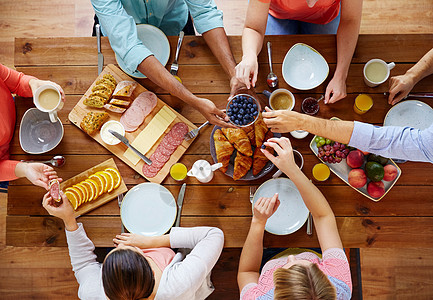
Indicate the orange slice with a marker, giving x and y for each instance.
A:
(107, 179)
(90, 188)
(95, 185)
(72, 198)
(110, 181)
(83, 190)
(87, 189)
(116, 176)
(78, 193)
(100, 181)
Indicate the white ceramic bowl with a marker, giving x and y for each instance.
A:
(111, 140)
(304, 68)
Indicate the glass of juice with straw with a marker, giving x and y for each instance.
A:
(321, 172)
(178, 171)
(363, 103)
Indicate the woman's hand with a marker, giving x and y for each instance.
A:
(399, 87)
(215, 116)
(36, 83)
(285, 160)
(247, 70)
(264, 208)
(62, 210)
(235, 85)
(37, 173)
(336, 88)
(141, 241)
(282, 120)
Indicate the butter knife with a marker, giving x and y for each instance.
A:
(126, 142)
(179, 204)
(100, 55)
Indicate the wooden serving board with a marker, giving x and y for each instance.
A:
(104, 198)
(80, 110)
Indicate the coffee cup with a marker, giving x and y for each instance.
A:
(376, 72)
(47, 98)
(282, 99)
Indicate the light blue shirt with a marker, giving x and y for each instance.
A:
(118, 19)
(394, 142)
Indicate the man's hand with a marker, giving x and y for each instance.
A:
(36, 83)
(235, 85)
(37, 173)
(215, 116)
(285, 160)
(247, 70)
(64, 211)
(335, 91)
(399, 87)
(264, 208)
(282, 121)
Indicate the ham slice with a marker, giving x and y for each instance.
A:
(138, 111)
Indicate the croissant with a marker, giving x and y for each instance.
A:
(259, 159)
(239, 139)
(223, 149)
(260, 130)
(249, 130)
(242, 166)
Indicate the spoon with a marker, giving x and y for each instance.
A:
(272, 79)
(56, 161)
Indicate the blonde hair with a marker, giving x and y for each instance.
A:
(303, 283)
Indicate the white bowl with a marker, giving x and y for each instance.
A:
(304, 68)
(107, 137)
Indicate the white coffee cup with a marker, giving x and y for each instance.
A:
(282, 91)
(47, 98)
(382, 67)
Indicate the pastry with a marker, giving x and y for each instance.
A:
(121, 103)
(94, 101)
(239, 139)
(223, 149)
(124, 89)
(114, 108)
(242, 166)
(106, 82)
(259, 159)
(110, 78)
(104, 94)
(249, 130)
(104, 85)
(260, 130)
(92, 122)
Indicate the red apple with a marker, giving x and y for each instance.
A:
(357, 178)
(355, 159)
(390, 173)
(376, 189)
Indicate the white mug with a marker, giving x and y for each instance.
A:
(282, 91)
(388, 67)
(54, 101)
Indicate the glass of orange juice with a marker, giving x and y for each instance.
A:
(363, 103)
(178, 171)
(321, 172)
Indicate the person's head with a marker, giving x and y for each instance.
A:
(127, 275)
(302, 280)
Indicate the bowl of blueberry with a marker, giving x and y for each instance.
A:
(243, 110)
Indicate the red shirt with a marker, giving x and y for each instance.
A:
(15, 82)
(323, 12)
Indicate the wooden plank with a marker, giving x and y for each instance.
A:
(356, 232)
(224, 275)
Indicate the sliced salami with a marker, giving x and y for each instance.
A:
(54, 187)
(160, 157)
(180, 128)
(150, 171)
(166, 151)
(156, 164)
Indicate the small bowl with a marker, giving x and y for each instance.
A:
(107, 137)
(37, 133)
(249, 96)
(299, 134)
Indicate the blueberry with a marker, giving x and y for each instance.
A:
(255, 113)
(239, 116)
(254, 105)
(251, 100)
(244, 106)
(249, 105)
(235, 109)
(263, 146)
(241, 111)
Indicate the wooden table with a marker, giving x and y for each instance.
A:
(404, 218)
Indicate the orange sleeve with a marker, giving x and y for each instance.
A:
(7, 169)
(17, 82)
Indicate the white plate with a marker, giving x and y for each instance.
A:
(304, 68)
(156, 41)
(292, 212)
(148, 209)
(412, 113)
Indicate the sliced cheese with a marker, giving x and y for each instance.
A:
(150, 134)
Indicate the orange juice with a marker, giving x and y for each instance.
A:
(178, 171)
(363, 103)
(321, 172)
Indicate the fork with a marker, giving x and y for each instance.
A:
(119, 202)
(175, 66)
(252, 192)
(193, 133)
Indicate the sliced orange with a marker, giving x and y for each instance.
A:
(72, 198)
(95, 185)
(87, 189)
(100, 181)
(116, 176)
(90, 188)
(78, 193)
(83, 190)
(107, 179)
(110, 181)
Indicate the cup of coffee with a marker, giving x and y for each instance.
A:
(282, 99)
(376, 72)
(47, 98)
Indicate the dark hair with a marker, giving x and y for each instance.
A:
(126, 275)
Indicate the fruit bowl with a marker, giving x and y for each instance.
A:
(243, 110)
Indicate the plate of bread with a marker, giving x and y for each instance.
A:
(238, 149)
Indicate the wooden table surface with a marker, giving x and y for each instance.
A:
(403, 218)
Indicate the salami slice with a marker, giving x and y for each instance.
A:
(167, 151)
(150, 171)
(170, 144)
(54, 187)
(160, 157)
(157, 164)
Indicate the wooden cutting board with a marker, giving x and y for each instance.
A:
(104, 198)
(80, 110)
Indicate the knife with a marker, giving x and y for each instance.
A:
(179, 204)
(126, 142)
(100, 55)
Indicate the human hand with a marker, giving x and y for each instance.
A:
(36, 83)
(235, 85)
(264, 208)
(282, 120)
(132, 239)
(399, 87)
(214, 115)
(247, 70)
(37, 173)
(337, 88)
(285, 160)
(62, 210)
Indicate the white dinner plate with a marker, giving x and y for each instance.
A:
(292, 212)
(412, 113)
(148, 209)
(304, 68)
(156, 41)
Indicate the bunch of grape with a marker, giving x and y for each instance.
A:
(330, 151)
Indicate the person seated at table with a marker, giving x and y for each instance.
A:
(118, 21)
(142, 267)
(15, 82)
(300, 276)
(341, 17)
